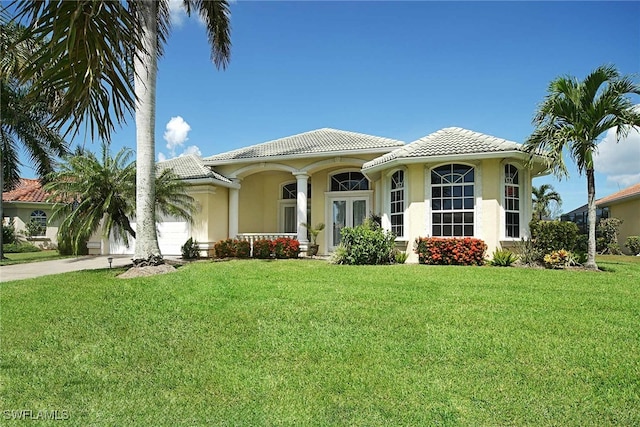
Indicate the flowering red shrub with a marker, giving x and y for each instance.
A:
(286, 247)
(243, 248)
(450, 251)
(262, 248)
(230, 248)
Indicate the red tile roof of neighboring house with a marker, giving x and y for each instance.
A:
(28, 190)
(633, 191)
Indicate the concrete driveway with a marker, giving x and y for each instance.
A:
(44, 268)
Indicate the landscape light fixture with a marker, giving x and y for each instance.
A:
(110, 259)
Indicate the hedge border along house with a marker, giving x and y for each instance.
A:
(453, 182)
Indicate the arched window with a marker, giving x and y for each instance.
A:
(349, 181)
(397, 203)
(452, 201)
(290, 191)
(38, 223)
(512, 201)
(288, 209)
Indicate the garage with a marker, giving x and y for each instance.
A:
(172, 234)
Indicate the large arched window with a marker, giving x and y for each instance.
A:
(512, 201)
(288, 209)
(452, 201)
(349, 181)
(397, 203)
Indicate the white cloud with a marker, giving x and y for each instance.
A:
(161, 157)
(177, 12)
(192, 149)
(619, 161)
(176, 134)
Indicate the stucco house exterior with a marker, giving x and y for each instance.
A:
(624, 205)
(26, 203)
(453, 182)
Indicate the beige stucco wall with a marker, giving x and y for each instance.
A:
(20, 212)
(211, 222)
(629, 212)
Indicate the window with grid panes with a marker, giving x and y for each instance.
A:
(452, 201)
(512, 201)
(397, 203)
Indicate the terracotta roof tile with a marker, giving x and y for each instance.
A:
(626, 193)
(28, 190)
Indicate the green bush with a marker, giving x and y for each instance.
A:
(66, 247)
(262, 248)
(633, 244)
(16, 248)
(35, 228)
(242, 248)
(503, 258)
(528, 253)
(232, 248)
(608, 228)
(366, 244)
(190, 249)
(9, 232)
(549, 236)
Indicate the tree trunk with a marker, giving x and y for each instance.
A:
(591, 219)
(146, 68)
(1, 207)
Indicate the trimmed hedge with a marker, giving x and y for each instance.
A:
(552, 236)
(232, 248)
(450, 251)
(286, 247)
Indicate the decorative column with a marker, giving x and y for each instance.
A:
(302, 179)
(234, 210)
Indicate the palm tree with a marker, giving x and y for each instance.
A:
(26, 116)
(572, 118)
(118, 32)
(92, 193)
(154, 21)
(542, 198)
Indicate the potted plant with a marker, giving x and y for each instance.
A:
(313, 232)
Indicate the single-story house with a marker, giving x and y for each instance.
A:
(27, 203)
(624, 205)
(453, 182)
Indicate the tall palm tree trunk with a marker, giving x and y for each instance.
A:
(591, 219)
(146, 67)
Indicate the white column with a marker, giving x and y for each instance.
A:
(233, 210)
(302, 180)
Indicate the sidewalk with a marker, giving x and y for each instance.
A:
(44, 268)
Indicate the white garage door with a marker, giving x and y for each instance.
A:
(172, 234)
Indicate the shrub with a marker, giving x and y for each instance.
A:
(559, 259)
(190, 249)
(66, 246)
(450, 251)
(608, 228)
(549, 236)
(16, 248)
(400, 257)
(286, 247)
(503, 258)
(224, 249)
(35, 228)
(9, 232)
(633, 244)
(366, 244)
(242, 248)
(528, 252)
(262, 248)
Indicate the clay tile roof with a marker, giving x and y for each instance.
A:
(28, 190)
(319, 141)
(627, 193)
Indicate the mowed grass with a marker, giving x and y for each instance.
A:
(309, 343)
(27, 257)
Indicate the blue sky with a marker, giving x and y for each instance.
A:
(395, 69)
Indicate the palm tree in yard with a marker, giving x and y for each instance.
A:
(573, 117)
(135, 32)
(94, 193)
(542, 198)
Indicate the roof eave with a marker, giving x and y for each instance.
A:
(339, 153)
(618, 200)
(214, 181)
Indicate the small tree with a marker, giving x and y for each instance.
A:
(609, 228)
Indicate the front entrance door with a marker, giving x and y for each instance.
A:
(346, 212)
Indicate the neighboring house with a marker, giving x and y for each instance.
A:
(453, 182)
(26, 203)
(624, 205)
(581, 217)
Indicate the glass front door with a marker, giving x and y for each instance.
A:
(346, 212)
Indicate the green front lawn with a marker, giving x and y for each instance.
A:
(26, 257)
(309, 343)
